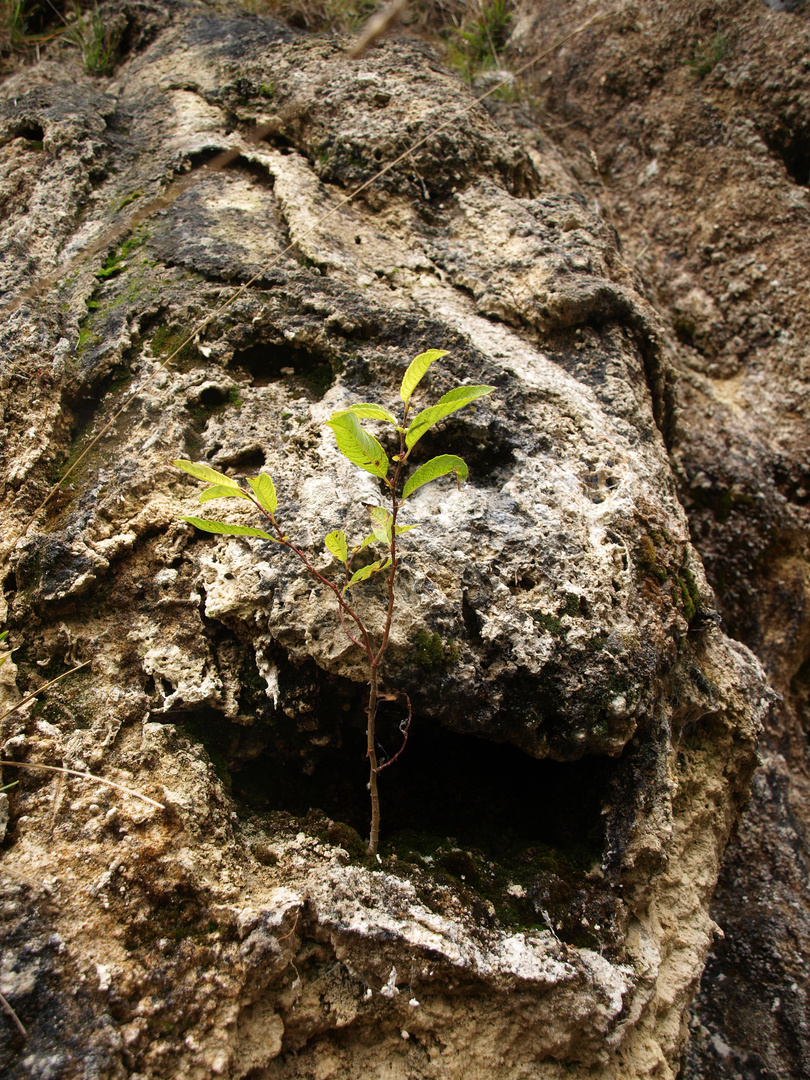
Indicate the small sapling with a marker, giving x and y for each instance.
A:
(367, 453)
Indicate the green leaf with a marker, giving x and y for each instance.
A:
(380, 523)
(265, 491)
(405, 528)
(451, 402)
(336, 543)
(433, 469)
(227, 530)
(418, 368)
(364, 573)
(364, 544)
(357, 445)
(369, 411)
(205, 472)
(219, 491)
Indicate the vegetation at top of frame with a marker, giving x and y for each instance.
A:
(316, 16)
(28, 25)
(477, 44)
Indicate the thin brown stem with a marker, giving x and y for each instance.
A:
(395, 504)
(404, 727)
(343, 606)
(373, 767)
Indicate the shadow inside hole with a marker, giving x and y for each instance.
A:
(31, 132)
(792, 146)
(485, 795)
(485, 454)
(267, 363)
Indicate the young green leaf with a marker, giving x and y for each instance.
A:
(433, 469)
(205, 472)
(364, 573)
(449, 403)
(405, 528)
(336, 543)
(417, 370)
(220, 491)
(369, 411)
(380, 523)
(371, 539)
(265, 491)
(357, 445)
(226, 529)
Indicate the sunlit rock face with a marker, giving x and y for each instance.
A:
(583, 733)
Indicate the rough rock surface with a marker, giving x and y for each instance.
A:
(584, 733)
(689, 125)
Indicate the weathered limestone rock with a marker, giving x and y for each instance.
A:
(584, 734)
(697, 124)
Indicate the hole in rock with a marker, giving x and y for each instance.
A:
(249, 460)
(509, 838)
(485, 452)
(267, 363)
(489, 796)
(31, 131)
(792, 145)
(210, 396)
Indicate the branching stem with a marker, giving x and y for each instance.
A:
(365, 451)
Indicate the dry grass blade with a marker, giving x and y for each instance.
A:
(84, 776)
(31, 882)
(377, 25)
(14, 1018)
(36, 693)
(59, 768)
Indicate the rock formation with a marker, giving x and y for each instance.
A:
(689, 126)
(584, 732)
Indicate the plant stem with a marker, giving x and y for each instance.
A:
(374, 837)
(374, 657)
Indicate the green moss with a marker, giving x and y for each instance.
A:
(514, 886)
(429, 651)
(647, 556)
(267, 89)
(87, 338)
(552, 624)
(130, 199)
(349, 839)
(571, 604)
(598, 641)
(166, 341)
(689, 594)
(114, 263)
